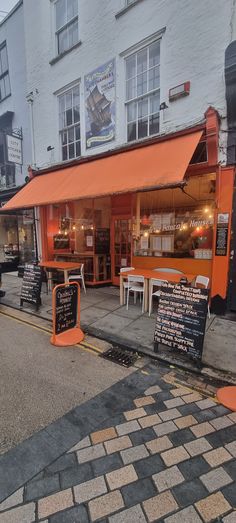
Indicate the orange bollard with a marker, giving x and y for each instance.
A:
(66, 315)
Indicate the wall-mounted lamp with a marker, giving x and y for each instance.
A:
(163, 106)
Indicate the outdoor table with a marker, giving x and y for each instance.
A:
(148, 275)
(64, 267)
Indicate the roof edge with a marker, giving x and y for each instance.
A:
(13, 10)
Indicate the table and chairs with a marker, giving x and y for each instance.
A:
(66, 268)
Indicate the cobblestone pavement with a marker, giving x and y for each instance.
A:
(166, 455)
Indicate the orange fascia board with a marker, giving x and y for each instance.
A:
(145, 168)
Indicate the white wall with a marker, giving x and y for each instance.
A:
(12, 30)
(192, 48)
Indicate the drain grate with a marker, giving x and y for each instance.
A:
(120, 356)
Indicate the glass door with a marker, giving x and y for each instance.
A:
(121, 245)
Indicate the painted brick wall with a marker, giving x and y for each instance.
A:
(192, 48)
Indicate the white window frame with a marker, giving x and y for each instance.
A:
(144, 96)
(5, 74)
(63, 28)
(66, 128)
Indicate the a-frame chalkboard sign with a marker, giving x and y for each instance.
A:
(31, 285)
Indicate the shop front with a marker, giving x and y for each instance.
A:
(144, 206)
(17, 239)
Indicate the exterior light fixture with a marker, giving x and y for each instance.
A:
(163, 106)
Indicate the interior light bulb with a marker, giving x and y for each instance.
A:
(206, 210)
(146, 234)
(73, 227)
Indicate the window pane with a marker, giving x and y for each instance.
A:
(63, 41)
(154, 54)
(69, 100)
(154, 124)
(154, 103)
(77, 132)
(64, 138)
(141, 84)
(62, 122)
(71, 151)
(4, 64)
(7, 85)
(60, 13)
(131, 111)
(72, 9)
(64, 153)
(73, 34)
(131, 128)
(76, 99)
(142, 61)
(76, 114)
(142, 128)
(69, 117)
(154, 78)
(62, 103)
(78, 153)
(131, 89)
(130, 67)
(143, 107)
(2, 89)
(71, 135)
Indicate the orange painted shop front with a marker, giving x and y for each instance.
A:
(165, 203)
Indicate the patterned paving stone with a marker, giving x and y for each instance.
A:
(134, 454)
(217, 456)
(135, 413)
(231, 447)
(194, 467)
(138, 491)
(41, 488)
(229, 493)
(202, 429)
(13, 500)
(220, 438)
(189, 492)
(190, 408)
(181, 436)
(142, 436)
(155, 389)
(175, 456)
(180, 391)
(159, 444)
(107, 464)
(231, 518)
(185, 421)
(165, 428)
(147, 467)
(127, 427)
(114, 445)
(146, 400)
(167, 415)
(159, 506)
(168, 478)
(149, 421)
(221, 423)
(72, 515)
(232, 416)
(90, 453)
(193, 397)
(64, 462)
(175, 402)
(89, 490)
(216, 479)
(55, 503)
(23, 514)
(230, 467)
(76, 475)
(123, 476)
(103, 435)
(81, 445)
(197, 446)
(205, 404)
(134, 514)
(212, 507)
(105, 505)
(187, 515)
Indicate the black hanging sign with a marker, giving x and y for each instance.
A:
(66, 313)
(102, 241)
(222, 231)
(181, 318)
(31, 285)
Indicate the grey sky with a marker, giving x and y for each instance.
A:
(6, 5)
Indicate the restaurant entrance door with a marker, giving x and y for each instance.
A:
(121, 245)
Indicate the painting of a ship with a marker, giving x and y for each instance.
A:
(98, 107)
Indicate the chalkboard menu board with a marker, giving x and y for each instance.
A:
(31, 285)
(102, 241)
(222, 234)
(66, 307)
(181, 318)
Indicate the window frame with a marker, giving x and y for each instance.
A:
(66, 128)
(143, 96)
(64, 27)
(5, 73)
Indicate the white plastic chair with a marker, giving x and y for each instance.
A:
(135, 284)
(78, 276)
(125, 283)
(168, 269)
(154, 283)
(204, 281)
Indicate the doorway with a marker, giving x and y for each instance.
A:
(121, 235)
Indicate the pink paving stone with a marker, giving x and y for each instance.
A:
(55, 503)
(145, 400)
(159, 506)
(135, 413)
(217, 456)
(105, 505)
(23, 514)
(13, 500)
(212, 507)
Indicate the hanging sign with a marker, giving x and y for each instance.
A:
(222, 232)
(181, 319)
(14, 149)
(31, 285)
(66, 315)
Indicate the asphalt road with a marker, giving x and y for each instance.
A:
(40, 382)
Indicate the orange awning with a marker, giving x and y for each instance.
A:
(155, 166)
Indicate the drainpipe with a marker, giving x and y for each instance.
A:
(30, 100)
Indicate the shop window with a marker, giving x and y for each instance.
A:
(5, 89)
(67, 31)
(200, 153)
(143, 92)
(69, 123)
